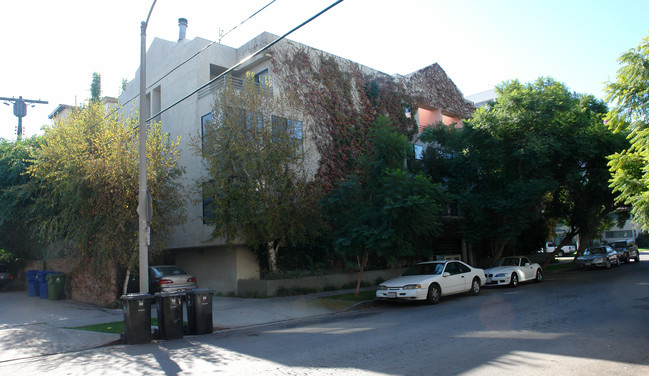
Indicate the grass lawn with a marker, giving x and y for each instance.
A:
(109, 327)
(351, 297)
(559, 267)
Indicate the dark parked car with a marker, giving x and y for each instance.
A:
(627, 250)
(5, 276)
(600, 256)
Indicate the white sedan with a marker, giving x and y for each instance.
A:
(431, 280)
(509, 271)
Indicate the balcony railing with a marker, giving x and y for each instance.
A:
(236, 82)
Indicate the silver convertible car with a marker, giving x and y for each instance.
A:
(431, 280)
(509, 271)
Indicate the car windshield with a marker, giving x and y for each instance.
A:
(595, 251)
(166, 271)
(426, 269)
(509, 261)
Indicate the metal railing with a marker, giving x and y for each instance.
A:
(237, 84)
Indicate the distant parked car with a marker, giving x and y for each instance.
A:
(169, 278)
(550, 247)
(5, 276)
(509, 271)
(627, 249)
(431, 280)
(600, 256)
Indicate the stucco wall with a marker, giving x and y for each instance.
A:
(218, 268)
(270, 287)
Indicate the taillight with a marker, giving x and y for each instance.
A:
(165, 281)
(192, 279)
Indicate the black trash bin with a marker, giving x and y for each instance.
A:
(199, 311)
(137, 318)
(169, 306)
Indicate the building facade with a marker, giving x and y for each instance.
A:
(175, 69)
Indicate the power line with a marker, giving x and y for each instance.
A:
(222, 74)
(244, 21)
(269, 45)
(184, 62)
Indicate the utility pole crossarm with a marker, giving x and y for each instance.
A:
(20, 109)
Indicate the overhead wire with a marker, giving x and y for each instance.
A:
(269, 45)
(244, 21)
(184, 62)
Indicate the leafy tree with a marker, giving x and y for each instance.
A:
(534, 149)
(95, 87)
(628, 97)
(255, 181)
(383, 209)
(15, 233)
(583, 200)
(85, 176)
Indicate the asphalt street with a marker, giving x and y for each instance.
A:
(574, 323)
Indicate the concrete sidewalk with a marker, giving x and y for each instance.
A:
(30, 326)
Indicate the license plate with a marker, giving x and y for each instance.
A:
(488, 280)
(392, 295)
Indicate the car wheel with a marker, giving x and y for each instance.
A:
(475, 287)
(514, 280)
(637, 258)
(608, 264)
(434, 294)
(539, 276)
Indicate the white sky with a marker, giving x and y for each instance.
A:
(50, 48)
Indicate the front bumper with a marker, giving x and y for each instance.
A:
(401, 294)
(590, 264)
(498, 281)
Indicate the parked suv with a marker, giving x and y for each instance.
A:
(627, 249)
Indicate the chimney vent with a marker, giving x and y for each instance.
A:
(182, 24)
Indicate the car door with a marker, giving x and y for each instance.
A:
(454, 282)
(528, 269)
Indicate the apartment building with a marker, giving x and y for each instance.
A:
(175, 69)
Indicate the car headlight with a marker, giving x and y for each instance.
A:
(499, 275)
(383, 287)
(411, 287)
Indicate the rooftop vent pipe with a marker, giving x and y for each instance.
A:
(182, 24)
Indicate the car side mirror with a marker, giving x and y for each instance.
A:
(527, 264)
(446, 274)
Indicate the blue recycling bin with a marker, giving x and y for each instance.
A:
(42, 282)
(32, 283)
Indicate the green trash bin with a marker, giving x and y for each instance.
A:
(55, 285)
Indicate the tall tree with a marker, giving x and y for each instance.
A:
(95, 87)
(255, 183)
(523, 151)
(628, 98)
(85, 178)
(583, 199)
(383, 209)
(16, 235)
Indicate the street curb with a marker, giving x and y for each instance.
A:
(365, 305)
